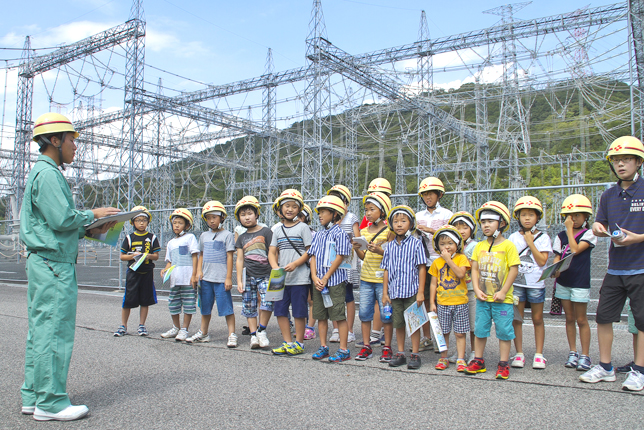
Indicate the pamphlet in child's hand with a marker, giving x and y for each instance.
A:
(275, 290)
(167, 273)
(415, 317)
(139, 260)
(362, 241)
(110, 237)
(437, 332)
(559, 266)
(331, 254)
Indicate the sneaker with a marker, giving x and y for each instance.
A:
(365, 353)
(626, 368)
(321, 353)
(173, 332)
(503, 371)
(460, 365)
(335, 336)
(414, 362)
(182, 335)
(351, 337)
(634, 382)
(382, 339)
(518, 361)
(539, 362)
(142, 330)
(28, 410)
(280, 350)
(425, 344)
(340, 356)
(398, 360)
(198, 338)
(584, 363)
(295, 348)
(387, 354)
(309, 333)
(70, 413)
(292, 326)
(443, 363)
(232, 341)
(245, 331)
(374, 338)
(475, 366)
(596, 374)
(121, 331)
(254, 342)
(470, 357)
(573, 360)
(452, 359)
(263, 339)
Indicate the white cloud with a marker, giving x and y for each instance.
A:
(157, 41)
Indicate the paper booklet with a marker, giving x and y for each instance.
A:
(437, 332)
(362, 241)
(275, 290)
(110, 237)
(139, 260)
(167, 273)
(559, 266)
(119, 217)
(415, 317)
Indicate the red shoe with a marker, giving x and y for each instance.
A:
(460, 365)
(476, 366)
(387, 354)
(365, 353)
(442, 364)
(503, 372)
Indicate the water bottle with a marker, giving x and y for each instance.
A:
(618, 235)
(386, 313)
(326, 298)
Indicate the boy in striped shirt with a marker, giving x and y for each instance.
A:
(404, 263)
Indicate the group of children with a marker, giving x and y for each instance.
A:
(428, 259)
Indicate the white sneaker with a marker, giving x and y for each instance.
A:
(254, 342)
(183, 335)
(28, 410)
(539, 362)
(232, 341)
(70, 413)
(263, 339)
(634, 382)
(351, 337)
(471, 357)
(173, 332)
(335, 336)
(453, 358)
(197, 337)
(596, 374)
(518, 361)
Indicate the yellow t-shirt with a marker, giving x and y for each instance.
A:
(494, 266)
(451, 290)
(371, 271)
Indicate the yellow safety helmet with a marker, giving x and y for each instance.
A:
(465, 217)
(308, 211)
(527, 202)
(576, 203)
(247, 201)
(213, 206)
(625, 145)
(381, 200)
(431, 184)
(290, 194)
(185, 214)
(402, 209)
(497, 207)
(52, 122)
(451, 232)
(380, 185)
(145, 210)
(333, 203)
(343, 191)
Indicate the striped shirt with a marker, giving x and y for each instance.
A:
(401, 261)
(291, 243)
(325, 244)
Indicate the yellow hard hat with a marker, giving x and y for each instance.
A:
(308, 211)
(213, 206)
(465, 217)
(451, 232)
(527, 202)
(52, 122)
(431, 184)
(576, 203)
(145, 210)
(402, 209)
(497, 207)
(333, 203)
(185, 214)
(380, 185)
(342, 190)
(290, 194)
(381, 200)
(247, 201)
(625, 145)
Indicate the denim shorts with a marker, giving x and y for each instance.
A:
(211, 291)
(348, 298)
(370, 294)
(501, 313)
(577, 295)
(532, 295)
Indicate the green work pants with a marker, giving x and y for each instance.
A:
(51, 307)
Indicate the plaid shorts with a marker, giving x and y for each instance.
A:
(249, 297)
(458, 315)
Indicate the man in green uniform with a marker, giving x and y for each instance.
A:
(50, 227)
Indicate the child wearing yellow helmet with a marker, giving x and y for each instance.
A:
(534, 249)
(306, 216)
(182, 252)
(572, 286)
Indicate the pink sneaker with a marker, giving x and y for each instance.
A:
(309, 334)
